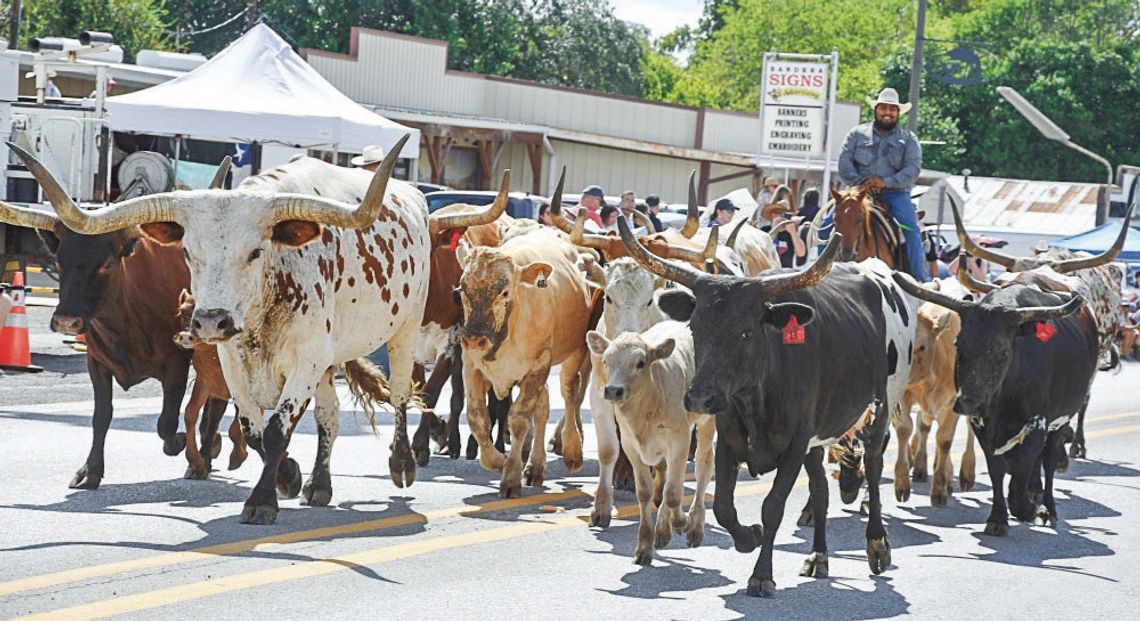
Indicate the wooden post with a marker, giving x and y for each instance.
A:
(534, 153)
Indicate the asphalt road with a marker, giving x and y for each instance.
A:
(150, 545)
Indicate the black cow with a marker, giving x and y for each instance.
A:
(779, 393)
(1025, 360)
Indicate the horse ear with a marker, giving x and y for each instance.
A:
(835, 196)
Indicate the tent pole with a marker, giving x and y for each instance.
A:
(177, 156)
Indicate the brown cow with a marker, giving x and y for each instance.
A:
(209, 388)
(527, 308)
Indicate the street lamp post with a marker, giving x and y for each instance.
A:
(1050, 130)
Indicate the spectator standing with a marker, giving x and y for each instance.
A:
(653, 206)
(544, 215)
(609, 216)
(782, 226)
(767, 195)
(723, 212)
(592, 198)
(370, 159)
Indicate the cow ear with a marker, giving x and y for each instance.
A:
(536, 273)
(50, 239)
(596, 342)
(780, 314)
(163, 232)
(661, 351)
(295, 233)
(677, 304)
(128, 247)
(1027, 328)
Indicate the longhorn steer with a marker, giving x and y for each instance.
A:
(289, 292)
(1025, 360)
(645, 376)
(527, 308)
(121, 290)
(1093, 277)
(772, 382)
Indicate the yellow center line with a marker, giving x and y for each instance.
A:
(1105, 419)
(319, 567)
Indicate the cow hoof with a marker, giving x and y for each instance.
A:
(84, 479)
(694, 535)
(534, 477)
(939, 499)
(965, 484)
(472, 448)
(195, 474)
(236, 460)
(573, 460)
(174, 446)
(878, 555)
(761, 588)
(807, 518)
(492, 460)
(1044, 518)
(600, 518)
(749, 539)
(997, 529)
(1077, 451)
(555, 445)
(316, 496)
(848, 497)
(510, 490)
(625, 481)
(216, 449)
(815, 565)
(423, 457)
(918, 475)
(289, 478)
(401, 466)
(902, 494)
(643, 558)
(263, 515)
(662, 538)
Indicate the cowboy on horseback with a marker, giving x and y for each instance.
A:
(885, 159)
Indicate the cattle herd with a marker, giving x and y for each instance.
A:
(689, 347)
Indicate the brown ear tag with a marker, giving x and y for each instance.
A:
(793, 332)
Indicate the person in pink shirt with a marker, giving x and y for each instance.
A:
(593, 197)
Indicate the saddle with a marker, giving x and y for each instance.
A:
(885, 226)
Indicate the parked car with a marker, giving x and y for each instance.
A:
(519, 204)
(425, 187)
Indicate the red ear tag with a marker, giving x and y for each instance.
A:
(793, 332)
(1045, 331)
(456, 234)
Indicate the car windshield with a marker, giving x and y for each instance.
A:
(516, 207)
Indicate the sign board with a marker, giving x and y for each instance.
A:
(793, 106)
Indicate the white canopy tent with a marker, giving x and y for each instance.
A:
(257, 90)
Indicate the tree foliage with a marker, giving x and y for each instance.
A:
(136, 24)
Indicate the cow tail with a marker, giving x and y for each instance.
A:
(369, 388)
(1113, 363)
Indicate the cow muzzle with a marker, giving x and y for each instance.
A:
(614, 393)
(213, 325)
(705, 401)
(965, 406)
(66, 324)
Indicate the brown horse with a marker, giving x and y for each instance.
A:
(867, 228)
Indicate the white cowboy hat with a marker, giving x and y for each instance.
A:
(890, 97)
(50, 74)
(372, 154)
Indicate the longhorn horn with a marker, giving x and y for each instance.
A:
(731, 241)
(968, 244)
(31, 218)
(440, 223)
(927, 295)
(644, 221)
(1108, 256)
(152, 208)
(809, 276)
(681, 274)
(968, 281)
(556, 205)
(711, 264)
(579, 237)
(1047, 313)
(336, 213)
(692, 215)
(220, 174)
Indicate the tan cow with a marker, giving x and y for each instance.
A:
(933, 389)
(646, 377)
(527, 309)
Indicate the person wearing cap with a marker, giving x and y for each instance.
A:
(723, 212)
(50, 89)
(781, 225)
(592, 199)
(653, 206)
(768, 194)
(370, 159)
(885, 158)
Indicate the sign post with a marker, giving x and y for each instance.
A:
(796, 101)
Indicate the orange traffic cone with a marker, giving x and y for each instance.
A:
(15, 351)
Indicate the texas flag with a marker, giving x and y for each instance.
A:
(241, 154)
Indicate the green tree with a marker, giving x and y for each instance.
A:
(136, 24)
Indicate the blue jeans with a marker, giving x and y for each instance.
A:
(902, 210)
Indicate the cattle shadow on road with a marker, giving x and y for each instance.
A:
(822, 599)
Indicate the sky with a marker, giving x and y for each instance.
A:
(660, 16)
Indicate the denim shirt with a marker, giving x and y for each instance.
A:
(895, 157)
